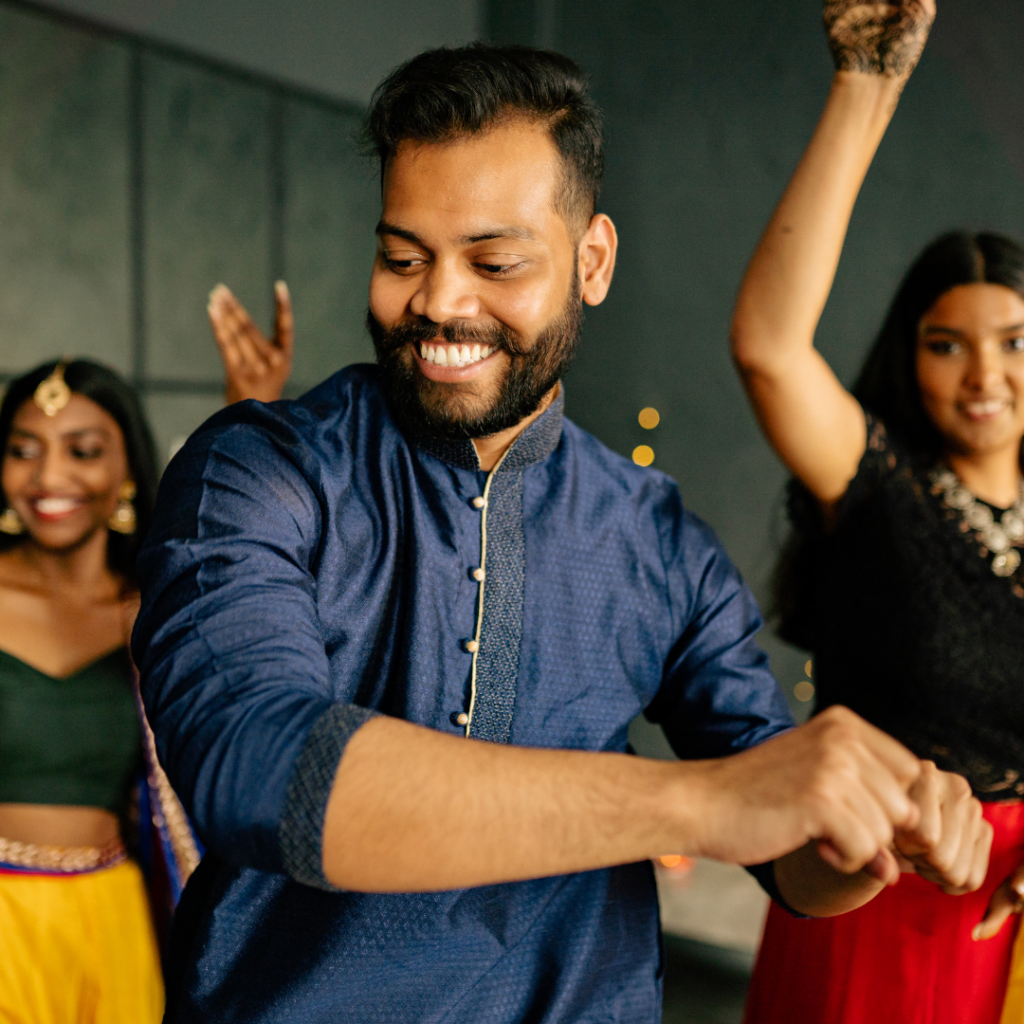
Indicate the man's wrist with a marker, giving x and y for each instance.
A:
(692, 807)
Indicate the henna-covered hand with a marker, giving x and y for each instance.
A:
(878, 38)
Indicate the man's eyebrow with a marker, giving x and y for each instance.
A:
(384, 228)
(504, 231)
(509, 231)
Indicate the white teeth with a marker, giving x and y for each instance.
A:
(986, 408)
(55, 506)
(454, 355)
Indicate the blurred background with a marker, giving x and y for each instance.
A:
(152, 148)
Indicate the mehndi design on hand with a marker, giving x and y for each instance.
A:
(878, 39)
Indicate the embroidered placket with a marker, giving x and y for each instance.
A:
(499, 624)
(494, 674)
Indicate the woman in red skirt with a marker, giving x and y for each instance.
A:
(903, 573)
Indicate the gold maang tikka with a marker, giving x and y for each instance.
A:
(53, 393)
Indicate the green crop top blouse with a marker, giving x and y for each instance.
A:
(74, 741)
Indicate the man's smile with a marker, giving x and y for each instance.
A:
(452, 363)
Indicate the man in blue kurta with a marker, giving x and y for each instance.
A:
(393, 635)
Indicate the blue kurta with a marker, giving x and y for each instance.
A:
(309, 567)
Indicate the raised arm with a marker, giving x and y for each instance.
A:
(815, 425)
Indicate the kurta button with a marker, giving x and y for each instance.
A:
(478, 575)
(472, 646)
(478, 503)
(460, 718)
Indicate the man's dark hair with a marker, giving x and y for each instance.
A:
(446, 93)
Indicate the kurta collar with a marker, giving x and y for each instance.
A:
(533, 445)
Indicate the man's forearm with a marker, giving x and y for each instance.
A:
(414, 810)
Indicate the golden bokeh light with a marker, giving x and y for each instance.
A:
(649, 418)
(643, 455)
(804, 690)
(676, 864)
(809, 668)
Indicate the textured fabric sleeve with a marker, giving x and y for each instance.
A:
(717, 695)
(302, 823)
(234, 673)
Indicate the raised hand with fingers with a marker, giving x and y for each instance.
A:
(254, 366)
(878, 38)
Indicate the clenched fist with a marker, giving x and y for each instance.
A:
(950, 843)
(878, 39)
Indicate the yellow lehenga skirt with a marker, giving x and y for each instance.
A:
(78, 949)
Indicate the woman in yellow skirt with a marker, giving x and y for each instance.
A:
(77, 938)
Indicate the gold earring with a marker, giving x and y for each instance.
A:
(124, 519)
(11, 523)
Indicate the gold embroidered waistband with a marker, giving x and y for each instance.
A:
(62, 860)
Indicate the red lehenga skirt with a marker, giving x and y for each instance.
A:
(907, 957)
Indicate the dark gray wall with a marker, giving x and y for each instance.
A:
(133, 179)
(708, 107)
(337, 47)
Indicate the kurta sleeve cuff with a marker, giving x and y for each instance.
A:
(302, 823)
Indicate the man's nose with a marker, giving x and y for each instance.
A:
(446, 293)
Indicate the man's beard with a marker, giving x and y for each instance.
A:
(447, 411)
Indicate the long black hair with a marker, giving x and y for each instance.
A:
(110, 392)
(888, 388)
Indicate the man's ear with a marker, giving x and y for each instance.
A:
(597, 252)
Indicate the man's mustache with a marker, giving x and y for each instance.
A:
(454, 332)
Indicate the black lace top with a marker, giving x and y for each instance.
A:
(908, 624)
